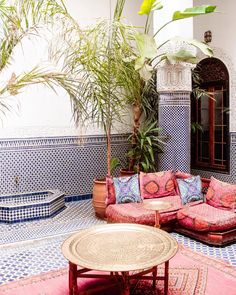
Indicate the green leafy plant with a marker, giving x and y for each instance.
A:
(115, 163)
(147, 47)
(196, 126)
(20, 19)
(148, 144)
(148, 55)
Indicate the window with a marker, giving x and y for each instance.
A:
(210, 146)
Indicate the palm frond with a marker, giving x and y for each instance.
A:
(51, 79)
(24, 17)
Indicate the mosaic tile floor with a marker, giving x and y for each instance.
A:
(77, 215)
(22, 259)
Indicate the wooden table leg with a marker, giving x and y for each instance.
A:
(166, 278)
(157, 219)
(154, 273)
(126, 283)
(73, 288)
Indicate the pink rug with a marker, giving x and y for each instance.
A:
(190, 274)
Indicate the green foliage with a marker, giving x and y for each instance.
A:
(148, 143)
(103, 61)
(150, 5)
(196, 126)
(193, 11)
(145, 59)
(103, 57)
(181, 55)
(22, 18)
(115, 163)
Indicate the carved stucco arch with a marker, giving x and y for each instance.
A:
(221, 55)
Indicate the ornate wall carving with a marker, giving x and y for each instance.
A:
(213, 70)
(175, 76)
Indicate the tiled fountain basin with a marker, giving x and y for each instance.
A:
(31, 205)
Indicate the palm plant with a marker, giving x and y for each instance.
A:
(18, 20)
(102, 63)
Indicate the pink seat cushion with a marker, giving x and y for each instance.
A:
(221, 194)
(204, 217)
(136, 213)
(155, 185)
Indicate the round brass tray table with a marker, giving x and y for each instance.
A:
(119, 249)
(156, 206)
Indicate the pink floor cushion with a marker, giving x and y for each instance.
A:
(158, 184)
(136, 213)
(204, 217)
(221, 194)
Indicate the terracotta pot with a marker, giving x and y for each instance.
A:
(126, 172)
(99, 197)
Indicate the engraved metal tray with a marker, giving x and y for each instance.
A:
(119, 247)
(157, 205)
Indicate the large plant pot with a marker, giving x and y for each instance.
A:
(99, 197)
(125, 172)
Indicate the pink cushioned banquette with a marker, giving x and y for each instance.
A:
(136, 213)
(204, 217)
(221, 194)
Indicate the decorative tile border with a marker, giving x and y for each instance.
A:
(47, 142)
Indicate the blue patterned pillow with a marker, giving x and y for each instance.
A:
(190, 189)
(127, 189)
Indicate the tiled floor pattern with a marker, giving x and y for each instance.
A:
(31, 258)
(77, 215)
(23, 259)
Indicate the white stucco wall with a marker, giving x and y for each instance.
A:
(38, 111)
(222, 25)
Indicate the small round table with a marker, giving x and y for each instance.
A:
(119, 249)
(156, 205)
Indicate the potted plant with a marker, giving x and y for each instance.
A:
(101, 57)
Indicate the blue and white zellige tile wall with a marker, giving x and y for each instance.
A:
(66, 163)
(174, 121)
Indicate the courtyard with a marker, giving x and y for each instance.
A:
(117, 147)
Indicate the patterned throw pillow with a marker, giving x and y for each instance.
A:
(221, 194)
(111, 195)
(127, 189)
(155, 185)
(190, 189)
(181, 175)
